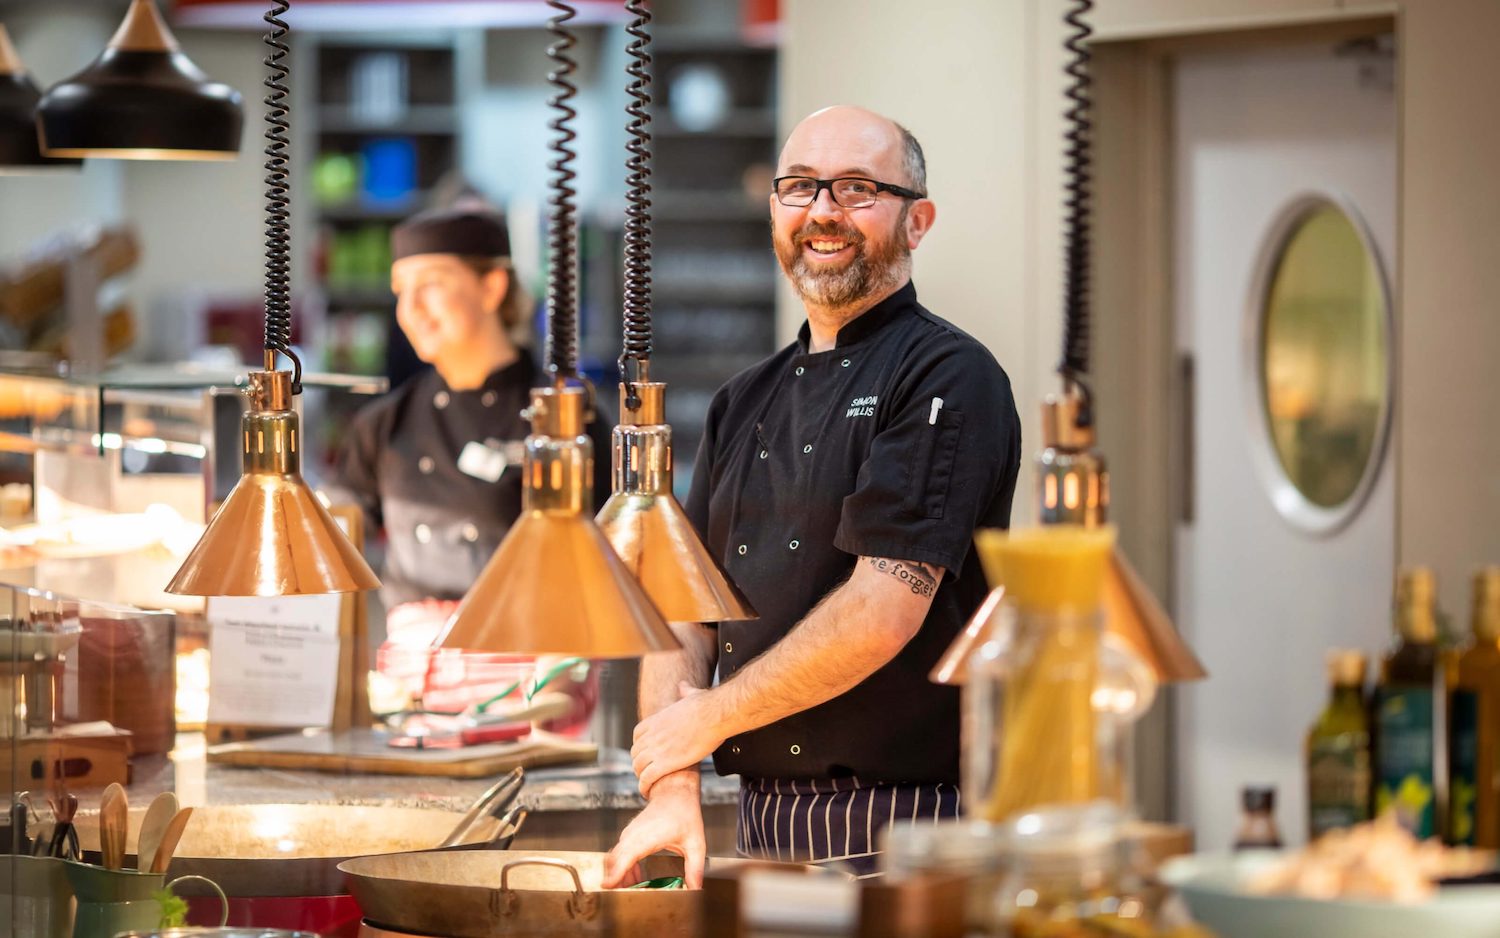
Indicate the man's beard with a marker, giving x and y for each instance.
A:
(865, 275)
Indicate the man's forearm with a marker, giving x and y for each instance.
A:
(662, 672)
(856, 630)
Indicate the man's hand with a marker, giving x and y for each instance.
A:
(675, 737)
(672, 820)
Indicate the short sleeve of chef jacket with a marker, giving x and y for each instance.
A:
(944, 461)
(696, 506)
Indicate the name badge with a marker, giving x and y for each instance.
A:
(482, 461)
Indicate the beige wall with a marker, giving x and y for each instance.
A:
(200, 225)
(978, 82)
(1448, 503)
(54, 41)
(958, 77)
(1119, 19)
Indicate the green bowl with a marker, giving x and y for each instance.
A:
(1213, 887)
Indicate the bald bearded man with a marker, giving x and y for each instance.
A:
(840, 483)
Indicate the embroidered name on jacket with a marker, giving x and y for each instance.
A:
(863, 406)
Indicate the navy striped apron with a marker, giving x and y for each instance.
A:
(836, 822)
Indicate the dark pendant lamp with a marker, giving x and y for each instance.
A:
(141, 99)
(272, 537)
(642, 518)
(1072, 478)
(555, 586)
(19, 150)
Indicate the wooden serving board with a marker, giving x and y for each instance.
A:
(366, 751)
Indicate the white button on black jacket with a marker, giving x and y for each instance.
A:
(400, 462)
(897, 443)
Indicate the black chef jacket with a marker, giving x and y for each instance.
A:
(898, 443)
(444, 512)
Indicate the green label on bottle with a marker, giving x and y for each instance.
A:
(1404, 757)
(1463, 766)
(1338, 771)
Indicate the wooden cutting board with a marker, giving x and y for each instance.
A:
(366, 751)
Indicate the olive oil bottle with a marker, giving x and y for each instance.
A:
(1475, 748)
(1338, 750)
(1408, 705)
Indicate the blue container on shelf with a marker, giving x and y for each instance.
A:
(390, 169)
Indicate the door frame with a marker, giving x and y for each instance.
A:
(1144, 387)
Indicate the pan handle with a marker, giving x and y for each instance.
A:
(580, 904)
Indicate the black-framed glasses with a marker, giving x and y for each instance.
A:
(847, 191)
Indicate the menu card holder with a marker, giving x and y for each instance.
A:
(293, 662)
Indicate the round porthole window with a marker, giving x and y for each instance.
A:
(1320, 346)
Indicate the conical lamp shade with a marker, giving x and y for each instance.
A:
(953, 667)
(19, 149)
(141, 99)
(649, 529)
(1073, 488)
(272, 537)
(657, 543)
(1130, 612)
(555, 585)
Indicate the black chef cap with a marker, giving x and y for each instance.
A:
(451, 231)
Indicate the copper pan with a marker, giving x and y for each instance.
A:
(537, 893)
(291, 850)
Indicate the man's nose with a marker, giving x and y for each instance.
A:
(824, 208)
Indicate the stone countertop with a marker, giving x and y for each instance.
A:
(611, 784)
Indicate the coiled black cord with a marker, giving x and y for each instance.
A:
(1079, 174)
(562, 239)
(278, 226)
(636, 325)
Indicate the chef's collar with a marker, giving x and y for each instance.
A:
(867, 323)
(522, 371)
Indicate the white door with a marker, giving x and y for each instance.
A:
(1261, 597)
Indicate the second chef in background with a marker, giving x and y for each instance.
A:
(436, 463)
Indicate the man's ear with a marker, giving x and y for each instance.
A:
(919, 219)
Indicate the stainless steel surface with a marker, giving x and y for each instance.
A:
(510, 826)
(224, 931)
(291, 850)
(272, 537)
(493, 803)
(555, 585)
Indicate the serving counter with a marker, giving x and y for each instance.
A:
(571, 807)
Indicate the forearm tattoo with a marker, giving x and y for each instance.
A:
(921, 578)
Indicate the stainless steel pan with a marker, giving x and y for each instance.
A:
(537, 893)
(292, 850)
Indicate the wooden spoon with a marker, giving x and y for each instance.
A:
(153, 826)
(114, 824)
(169, 839)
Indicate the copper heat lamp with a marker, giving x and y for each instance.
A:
(1073, 481)
(642, 518)
(555, 586)
(272, 537)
